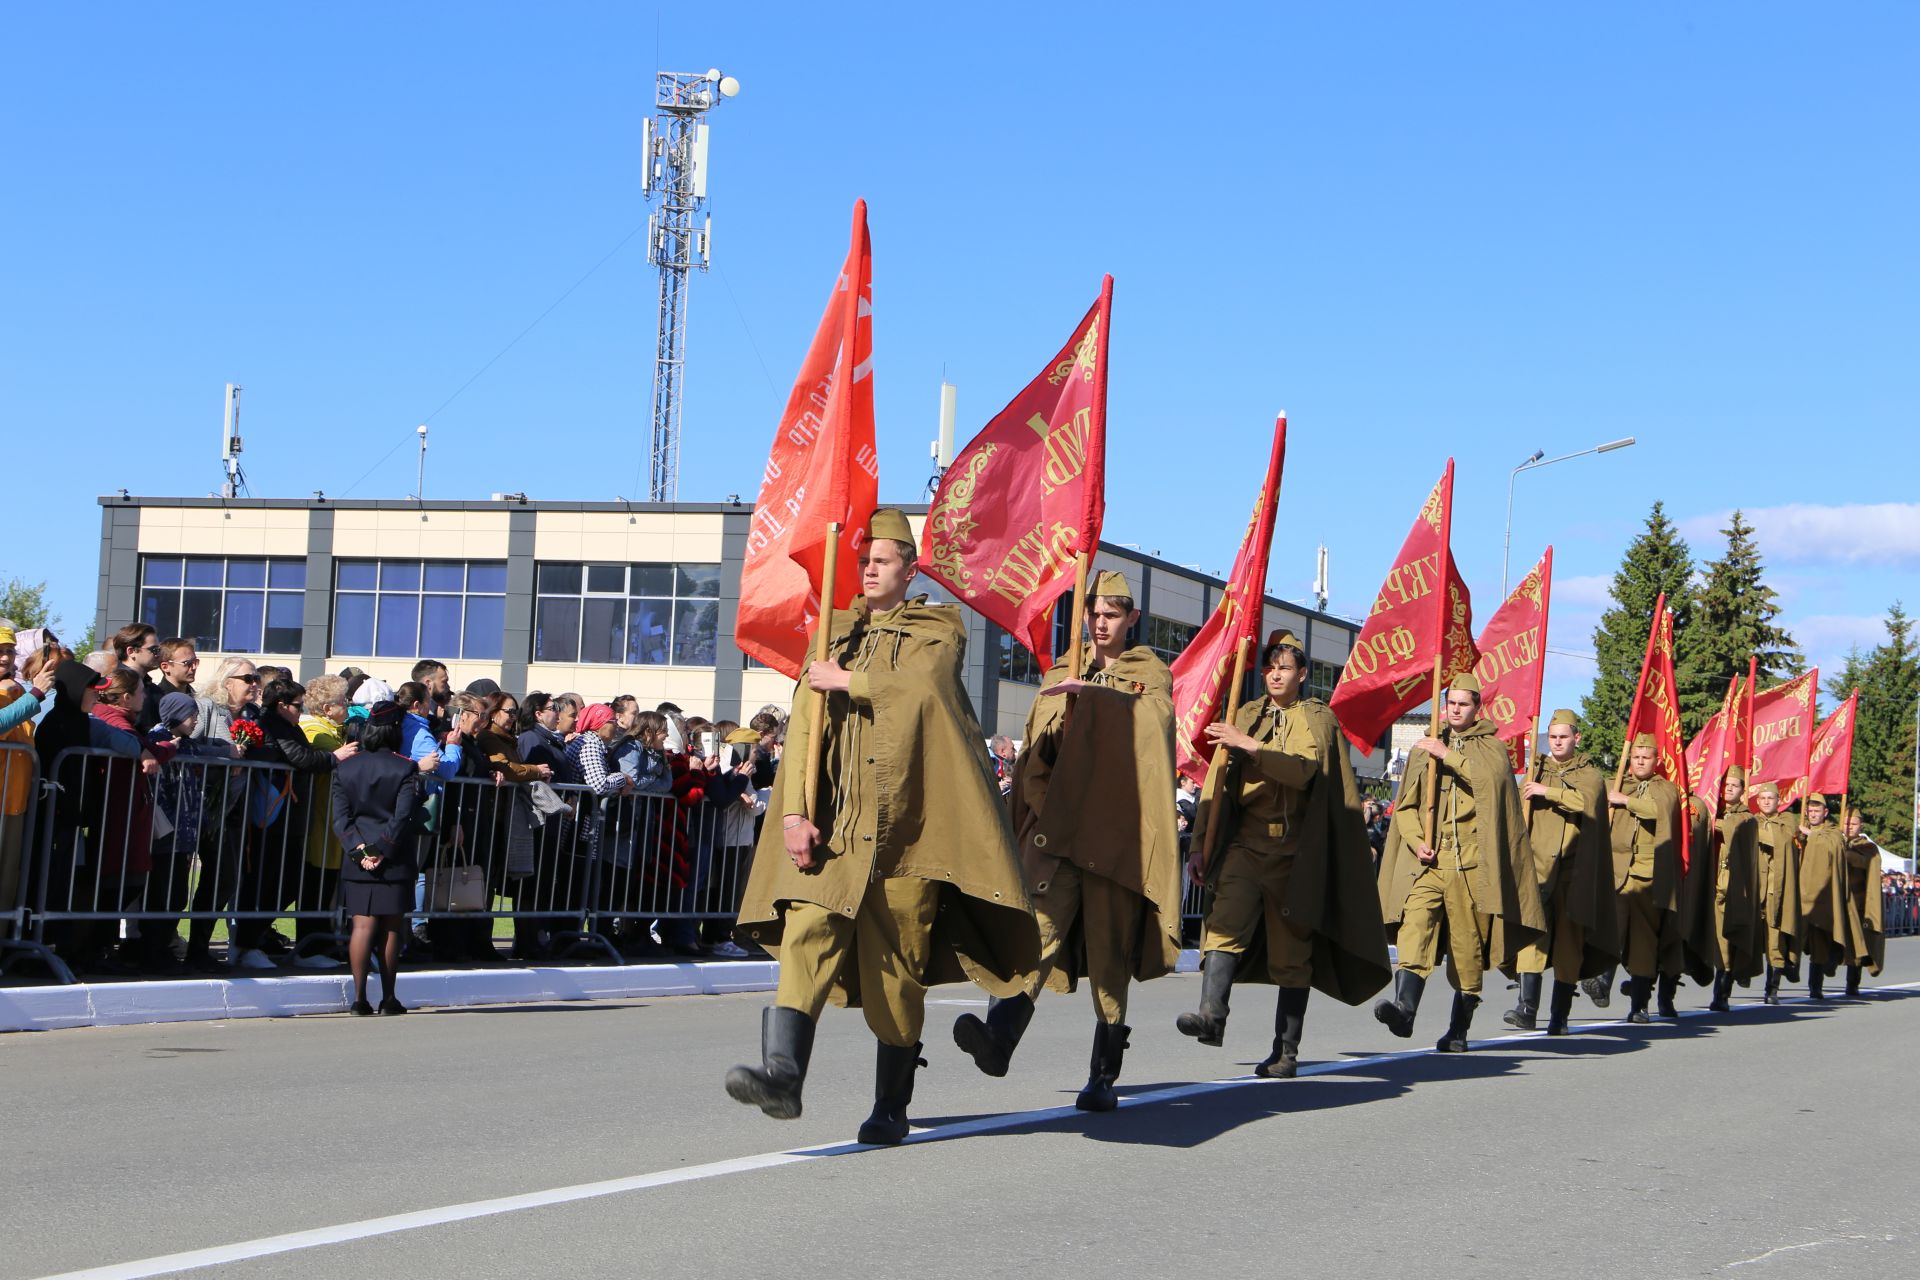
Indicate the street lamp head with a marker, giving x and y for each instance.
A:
(1535, 456)
(1611, 445)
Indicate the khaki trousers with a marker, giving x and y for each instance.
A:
(1783, 949)
(1111, 918)
(887, 941)
(1641, 928)
(1565, 943)
(1440, 903)
(1252, 890)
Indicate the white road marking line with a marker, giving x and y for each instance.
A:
(266, 1246)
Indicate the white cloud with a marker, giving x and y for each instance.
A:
(1594, 591)
(1886, 533)
(1826, 637)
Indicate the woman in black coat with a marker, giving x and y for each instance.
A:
(375, 795)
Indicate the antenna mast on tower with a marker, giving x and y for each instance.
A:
(675, 145)
(236, 480)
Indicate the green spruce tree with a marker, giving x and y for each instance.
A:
(1657, 561)
(1733, 618)
(1881, 785)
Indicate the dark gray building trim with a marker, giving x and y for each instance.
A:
(316, 611)
(729, 666)
(516, 642)
(119, 595)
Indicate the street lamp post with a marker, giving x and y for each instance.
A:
(1530, 464)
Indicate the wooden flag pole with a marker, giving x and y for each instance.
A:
(1075, 649)
(1217, 767)
(822, 646)
(1639, 690)
(1430, 802)
(1535, 767)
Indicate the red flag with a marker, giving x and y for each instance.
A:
(1832, 756)
(823, 467)
(1714, 749)
(1513, 660)
(1656, 710)
(1028, 494)
(1419, 612)
(1205, 667)
(1782, 728)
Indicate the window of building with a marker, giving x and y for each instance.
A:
(1321, 677)
(651, 615)
(420, 608)
(1167, 638)
(1017, 662)
(225, 604)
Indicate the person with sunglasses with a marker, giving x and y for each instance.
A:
(232, 694)
(179, 665)
(138, 646)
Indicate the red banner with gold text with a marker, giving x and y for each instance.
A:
(1832, 756)
(1782, 730)
(1027, 494)
(1656, 710)
(1513, 660)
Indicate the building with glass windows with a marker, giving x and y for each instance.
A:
(599, 598)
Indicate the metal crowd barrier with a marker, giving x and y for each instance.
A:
(19, 792)
(1900, 912)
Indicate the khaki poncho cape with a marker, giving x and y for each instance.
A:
(1588, 865)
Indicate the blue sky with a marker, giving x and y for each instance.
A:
(1423, 230)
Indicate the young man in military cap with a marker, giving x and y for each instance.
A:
(1866, 921)
(1646, 868)
(1739, 891)
(1566, 804)
(1093, 811)
(1473, 889)
(1780, 858)
(1823, 894)
(898, 872)
(1291, 900)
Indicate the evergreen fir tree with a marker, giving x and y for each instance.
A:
(1657, 561)
(1733, 618)
(1881, 786)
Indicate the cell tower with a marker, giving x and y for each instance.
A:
(676, 172)
(234, 482)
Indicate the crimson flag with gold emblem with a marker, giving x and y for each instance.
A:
(1204, 668)
(1423, 609)
(1656, 710)
(1512, 668)
(1715, 749)
(1832, 757)
(823, 468)
(1028, 494)
(1782, 730)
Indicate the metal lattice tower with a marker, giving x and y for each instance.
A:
(676, 174)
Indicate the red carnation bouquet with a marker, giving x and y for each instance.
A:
(246, 735)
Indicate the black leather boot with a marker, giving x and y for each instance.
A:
(1397, 1013)
(1669, 986)
(1561, 1009)
(1722, 991)
(1209, 1025)
(1455, 1041)
(1109, 1048)
(1853, 981)
(1771, 993)
(1600, 989)
(990, 1042)
(1288, 1020)
(893, 1069)
(1526, 1014)
(786, 1043)
(1639, 992)
(1816, 982)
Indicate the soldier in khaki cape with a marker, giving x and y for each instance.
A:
(1476, 893)
(1689, 944)
(1292, 903)
(1646, 871)
(1093, 813)
(1738, 892)
(1823, 894)
(1566, 799)
(1780, 858)
(1866, 923)
(906, 875)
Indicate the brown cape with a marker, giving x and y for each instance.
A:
(1781, 874)
(1737, 845)
(1505, 862)
(1096, 787)
(1823, 894)
(1689, 939)
(1866, 925)
(1587, 867)
(934, 808)
(1329, 888)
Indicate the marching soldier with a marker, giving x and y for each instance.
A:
(905, 876)
(1780, 856)
(1689, 946)
(1823, 894)
(1473, 890)
(1093, 810)
(1566, 799)
(1739, 892)
(1865, 923)
(1291, 900)
(1646, 867)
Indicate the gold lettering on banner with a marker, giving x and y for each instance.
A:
(1515, 653)
(1501, 709)
(1086, 353)
(1765, 735)
(1202, 707)
(951, 525)
(1066, 449)
(1036, 560)
(1407, 583)
(1434, 509)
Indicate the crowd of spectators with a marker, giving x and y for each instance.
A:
(1900, 903)
(167, 819)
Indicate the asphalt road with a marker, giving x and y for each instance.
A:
(1767, 1142)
